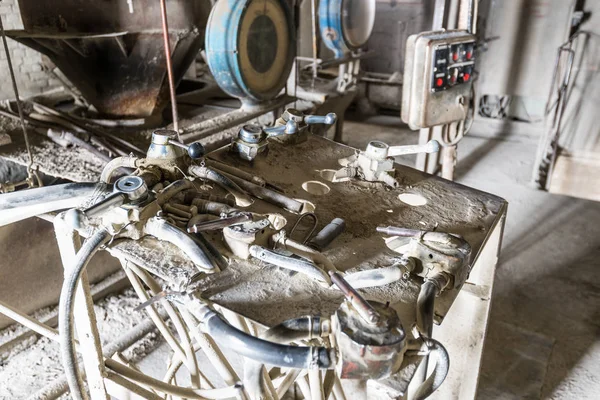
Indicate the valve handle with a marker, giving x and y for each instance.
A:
(194, 150)
(328, 119)
(290, 128)
(433, 146)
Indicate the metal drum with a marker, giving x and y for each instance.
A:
(250, 47)
(346, 25)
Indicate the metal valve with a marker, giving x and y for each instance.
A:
(295, 120)
(376, 162)
(128, 189)
(377, 149)
(291, 128)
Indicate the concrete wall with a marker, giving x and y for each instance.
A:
(27, 62)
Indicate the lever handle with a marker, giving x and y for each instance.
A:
(194, 150)
(432, 146)
(328, 119)
(289, 128)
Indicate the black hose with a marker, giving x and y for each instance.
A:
(440, 372)
(293, 330)
(425, 307)
(65, 312)
(267, 352)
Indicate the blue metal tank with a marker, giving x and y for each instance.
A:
(346, 25)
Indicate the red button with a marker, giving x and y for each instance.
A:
(469, 55)
(466, 77)
(439, 82)
(453, 79)
(455, 56)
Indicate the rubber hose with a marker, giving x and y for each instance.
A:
(437, 377)
(65, 311)
(267, 352)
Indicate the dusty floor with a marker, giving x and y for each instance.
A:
(542, 335)
(544, 326)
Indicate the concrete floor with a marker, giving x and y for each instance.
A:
(542, 338)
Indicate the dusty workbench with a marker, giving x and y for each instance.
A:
(270, 295)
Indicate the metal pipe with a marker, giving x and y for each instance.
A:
(218, 165)
(165, 31)
(194, 195)
(398, 231)
(364, 309)
(328, 234)
(213, 207)
(66, 305)
(281, 241)
(201, 394)
(267, 195)
(292, 264)
(25, 204)
(425, 313)
(17, 98)
(220, 223)
(224, 181)
(112, 166)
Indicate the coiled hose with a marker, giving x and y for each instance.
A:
(65, 311)
(440, 372)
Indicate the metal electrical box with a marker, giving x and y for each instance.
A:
(437, 77)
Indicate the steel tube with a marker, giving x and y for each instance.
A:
(364, 309)
(224, 180)
(25, 204)
(201, 394)
(267, 195)
(169, 62)
(292, 264)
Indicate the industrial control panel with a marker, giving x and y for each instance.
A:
(437, 77)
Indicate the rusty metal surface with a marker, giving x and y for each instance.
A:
(107, 16)
(114, 57)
